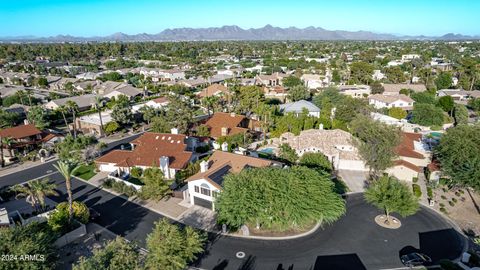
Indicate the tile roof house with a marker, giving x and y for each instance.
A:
(394, 88)
(204, 186)
(355, 91)
(213, 90)
(227, 124)
(156, 103)
(412, 157)
(269, 80)
(337, 145)
(298, 106)
(380, 101)
(170, 152)
(84, 102)
(125, 90)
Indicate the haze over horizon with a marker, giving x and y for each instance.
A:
(102, 18)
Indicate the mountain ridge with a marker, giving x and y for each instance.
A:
(234, 32)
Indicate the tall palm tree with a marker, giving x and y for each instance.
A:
(63, 110)
(7, 141)
(27, 192)
(21, 95)
(73, 108)
(42, 188)
(67, 169)
(98, 106)
(29, 94)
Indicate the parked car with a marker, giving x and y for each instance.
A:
(415, 259)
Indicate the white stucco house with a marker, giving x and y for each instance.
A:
(204, 186)
(298, 107)
(380, 101)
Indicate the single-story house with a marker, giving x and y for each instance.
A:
(298, 107)
(278, 92)
(90, 124)
(380, 101)
(394, 88)
(213, 90)
(169, 152)
(84, 102)
(269, 80)
(314, 81)
(355, 91)
(204, 186)
(337, 145)
(156, 103)
(125, 90)
(459, 94)
(227, 124)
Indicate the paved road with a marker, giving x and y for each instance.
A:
(353, 242)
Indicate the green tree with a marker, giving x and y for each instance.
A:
(41, 189)
(156, 187)
(291, 81)
(397, 112)
(427, 115)
(250, 97)
(376, 143)
(42, 82)
(298, 92)
(391, 195)
(287, 153)
(423, 97)
(8, 119)
(203, 130)
(160, 125)
(316, 161)
(443, 80)
(38, 116)
(460, 114)
(59, 220)
(377, 88)
(98, 107)
(458, 153)
(73, 109)
(67, 169)
(474, 103)
(122, 111)
(179, 114)
(361, 72)
(395, 74)
(34, 238)
(172, 248)
(278, 199)
(111, 127)
(116, 254)
(446, 103)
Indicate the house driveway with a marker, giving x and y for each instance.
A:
(355, 180)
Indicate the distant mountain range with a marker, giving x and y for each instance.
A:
(234, 32)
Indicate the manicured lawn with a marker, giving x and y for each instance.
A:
(85, 171)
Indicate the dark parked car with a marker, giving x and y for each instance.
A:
(415, 259)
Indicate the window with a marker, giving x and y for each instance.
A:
(197, 189)
(205, 191)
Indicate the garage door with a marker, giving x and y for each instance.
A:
(202, 202)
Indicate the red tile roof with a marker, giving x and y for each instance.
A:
(407, 164)
(225, 120)
(149, 148)
(19, 132)
(434, 166)
(407, 148)
(213, 90)
(161, 100)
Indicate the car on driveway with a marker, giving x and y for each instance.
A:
(415, 259)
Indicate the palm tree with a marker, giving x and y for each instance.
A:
(1, 153)
(29, 95)
(6, 141)
(63, 110)
(21, 95)
(41, 189)
(208, 102)
(73, 108)
(98, 106)
(67, 169)
(27, 192)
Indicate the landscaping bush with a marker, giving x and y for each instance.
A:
(442, 205)
(474, 259)
(454, 200)
(461, 191)
(443, 210)
(451, 203)
(58, 220)
(415, 179)
(202, 149)
(120, 187)
(457, 194)
(429, 192)
(443, 197)
(416, 190)
(449, 265)
(136, 172)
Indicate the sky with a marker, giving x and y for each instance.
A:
(104, 17)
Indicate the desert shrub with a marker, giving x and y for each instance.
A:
(451, 203)
(136, 172)
(429, 192)
(454, 200)
(416, 190)
(443, 197)
(443, 210)
(415, 179)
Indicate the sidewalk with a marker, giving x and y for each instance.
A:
(25, 165)
(422, 182)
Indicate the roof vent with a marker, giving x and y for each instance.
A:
(169, 138)
(156, 138)
(172, 141)
(163, 138)
(178, 141)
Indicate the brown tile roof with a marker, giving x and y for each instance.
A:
(407, 148)
(391, 98)
(161, 100)
(19, 132)
(407, 164)
(234, 163)
(395, 88)
(149, 148)
(225, 120)
(213, 90)
(434, 166)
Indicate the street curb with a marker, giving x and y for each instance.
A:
(36, 165)
(275, 238)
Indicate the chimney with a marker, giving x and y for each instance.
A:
(25, 122)
(321, 126)
(174, 131)
(164, 166)
(233, 114)
(225, 147)
(224, 131)
(203, 166)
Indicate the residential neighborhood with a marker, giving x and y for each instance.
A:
(238, 148)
